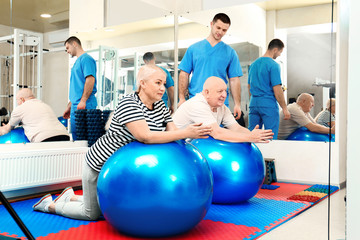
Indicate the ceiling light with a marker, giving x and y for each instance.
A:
(45, 15)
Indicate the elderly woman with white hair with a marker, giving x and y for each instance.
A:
(140, 116)
(327, 116)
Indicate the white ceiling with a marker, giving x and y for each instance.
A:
(26, 13)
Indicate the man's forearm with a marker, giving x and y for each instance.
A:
(183, 84)
(88, 88)
(170, 91)
(279, 95)
(235, 89)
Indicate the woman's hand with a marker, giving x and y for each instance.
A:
(196, 130)
(260, 136)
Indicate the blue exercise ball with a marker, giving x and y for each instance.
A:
(16, 135)
(238, 169)
(155, 190)
(63, 121)
(303, 134)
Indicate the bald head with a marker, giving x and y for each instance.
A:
(214, 91)
(213, 83)
(23, 95)
(147, 72)
(305, 101)
(304, 97)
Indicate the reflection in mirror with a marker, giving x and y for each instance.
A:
(5, 68)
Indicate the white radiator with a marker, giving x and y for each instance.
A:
(28, 165)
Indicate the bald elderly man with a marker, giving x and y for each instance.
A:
(209, 109)
(39, 121)
(300, 117)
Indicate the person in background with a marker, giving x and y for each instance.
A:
(211, 57)
(149, 58)
(82, 87)
(209, 109)
(300, 117)
(265, 90)
(38, 119)
(327, 116)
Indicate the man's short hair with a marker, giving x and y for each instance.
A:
(222, 17)
(148, 56)
(276, 43)
(72, 39)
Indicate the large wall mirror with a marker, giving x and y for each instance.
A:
(120, 34)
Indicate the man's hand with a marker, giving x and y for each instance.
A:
(261, 136)
(196, 130)
(81, 105)
(66, 114)
(286, 114)
(237, 112)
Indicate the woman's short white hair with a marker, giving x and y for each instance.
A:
(332, 100)
(145, 72)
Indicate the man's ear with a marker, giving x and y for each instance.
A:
(206, 91)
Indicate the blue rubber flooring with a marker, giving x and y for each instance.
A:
(38, 223)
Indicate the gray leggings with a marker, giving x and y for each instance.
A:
(86, 208)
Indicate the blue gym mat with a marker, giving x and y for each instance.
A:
(250, 220)
(38, 223)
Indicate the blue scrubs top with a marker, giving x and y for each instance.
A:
(84, 66)
(169, 83)
(264, 74)
(204, 61)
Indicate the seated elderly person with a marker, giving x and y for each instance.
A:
(300, 117)
(327, 116)
(141, 116)
(208, 108)
(39, 121)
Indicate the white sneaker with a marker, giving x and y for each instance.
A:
(65, 196)
(43, 204)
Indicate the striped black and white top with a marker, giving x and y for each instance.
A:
(129, 109)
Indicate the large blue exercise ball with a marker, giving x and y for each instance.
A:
(63, 121)
(155, 190)
(16, 135)
(303, 134)
(238, 169)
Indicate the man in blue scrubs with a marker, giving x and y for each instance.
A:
(149, 58)
(264, 84)
(211, 57)
(82, 82)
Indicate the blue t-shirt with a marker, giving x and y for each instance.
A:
(84, 66)
(204, 61)
(169, 83)
(264, 74)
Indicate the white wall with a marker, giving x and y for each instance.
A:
(341, 105)
(56, 73)
(302, 161)
(303, 16)
(352, 7)
(86, 15)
